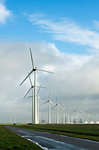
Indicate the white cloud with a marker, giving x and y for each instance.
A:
(66, 31)
(4, 13)
(75, 81)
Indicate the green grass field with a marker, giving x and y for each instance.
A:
(87, 131)
(11, 141)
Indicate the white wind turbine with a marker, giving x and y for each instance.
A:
(82, 113)
(49, 109)
(40, 101)
(68, 116)
(71, 114)
(77, 115)
(34, 69)
(57, 111)
(74, 115)
(63, 117)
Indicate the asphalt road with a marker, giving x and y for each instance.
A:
(50, 141)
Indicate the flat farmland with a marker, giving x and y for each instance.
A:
(87, 131)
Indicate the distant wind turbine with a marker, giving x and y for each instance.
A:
(63, 116)
(57, 111)
(68, 117)
(49, 112)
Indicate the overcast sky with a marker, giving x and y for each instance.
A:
(64, 38)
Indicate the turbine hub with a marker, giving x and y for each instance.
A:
(34, 69)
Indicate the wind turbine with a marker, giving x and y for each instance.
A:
(63, 110)
(68, 117)
(77, 115)
(74, 115)
(34, 69)
(49, 113)
(57, 111)
(71, 115)
(83, 116)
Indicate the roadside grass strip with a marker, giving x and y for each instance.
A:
(11, 141)
(86, 131)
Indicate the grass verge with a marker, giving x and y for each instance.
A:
(86, 131)
(11, 141)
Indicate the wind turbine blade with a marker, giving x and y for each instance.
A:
(53, 107)
(49, 95)
(30, 80)
(44, 70)
(39, 88)
(39, 98)
(31, 58)
(45, 102)
(52, 102)
(37, 95)
(61, 105)
(56, 100)
(67, 108)
(29, 96)
(28, 92)
(26, 77)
